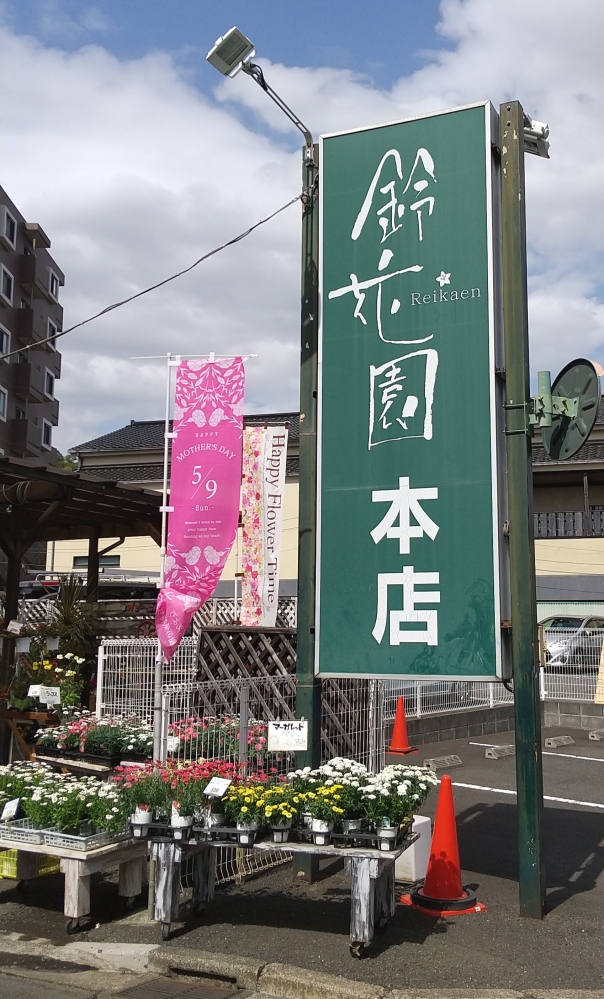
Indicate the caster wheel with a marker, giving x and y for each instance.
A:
(165, 931)
(357, 950)
(130, 901)
(74, 925)
(382, 925)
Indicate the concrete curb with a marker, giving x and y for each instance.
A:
(285, 981)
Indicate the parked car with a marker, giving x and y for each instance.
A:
(573, 642)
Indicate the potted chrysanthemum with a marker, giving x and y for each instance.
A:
(325, 807)
(279, 811)
(244, 808)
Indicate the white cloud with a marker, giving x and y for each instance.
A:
(134, 174)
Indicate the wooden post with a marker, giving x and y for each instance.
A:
(92, 569)
(167, 882)
(204, 878)
(77, 890)
(131, 878)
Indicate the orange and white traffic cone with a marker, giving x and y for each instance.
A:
(400, 741)
(442, 893)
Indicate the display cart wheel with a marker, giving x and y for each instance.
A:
(76, 924)
(165, 931)
(382, 924)
(130, 901)
(357, 950)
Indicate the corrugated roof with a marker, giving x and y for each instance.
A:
(140, 435)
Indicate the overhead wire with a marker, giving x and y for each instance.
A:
(159, 284)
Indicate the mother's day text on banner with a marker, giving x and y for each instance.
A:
(204, 490)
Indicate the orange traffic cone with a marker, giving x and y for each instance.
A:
(400, 742)
(442, 893)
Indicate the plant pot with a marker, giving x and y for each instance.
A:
(246, 832)
(141, 819)
(52, 643)
(135, 757)
(181, 825)
(209, 819)
(22, 645)
(306, 819)
(387, 836)
(351, 826)
(321, 831)
(281, 831)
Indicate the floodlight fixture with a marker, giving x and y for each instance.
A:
(536, 134)
(232, 53)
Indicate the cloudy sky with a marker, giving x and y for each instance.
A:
(136, 158)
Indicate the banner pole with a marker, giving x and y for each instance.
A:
(159, 659)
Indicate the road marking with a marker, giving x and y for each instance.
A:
(546, 797)
(570, 756)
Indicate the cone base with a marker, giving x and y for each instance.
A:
(463, 906)
(402, 752)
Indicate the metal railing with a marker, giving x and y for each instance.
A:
(572, 663)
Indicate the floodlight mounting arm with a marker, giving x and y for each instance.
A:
(252, 69)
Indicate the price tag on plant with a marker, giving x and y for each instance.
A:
(172, 743)
(11, 810)
(33, 690)
(49, 695)
(287, 736)
(14, 627)
(217, 787)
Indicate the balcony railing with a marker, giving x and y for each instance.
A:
(570, 524)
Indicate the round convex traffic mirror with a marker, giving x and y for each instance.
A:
(578, 380)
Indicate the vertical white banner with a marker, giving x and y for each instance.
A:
(273, 494)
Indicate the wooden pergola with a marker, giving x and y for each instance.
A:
(46, 503)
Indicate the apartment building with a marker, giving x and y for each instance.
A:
(30, 312)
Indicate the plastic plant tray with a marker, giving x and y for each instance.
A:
(21, 831)
(8, 864)
(55, 837)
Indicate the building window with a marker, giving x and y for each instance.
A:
(51, 331)
(47, 435)
(3, 403)
(19, 413)
(105, 561)
(49, 384)
(4, 342)
(7, 284)
(8, 228)
(53, 284)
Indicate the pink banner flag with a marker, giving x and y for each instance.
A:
(205, 482)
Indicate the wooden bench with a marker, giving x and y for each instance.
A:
(372, 900)
(78, 865)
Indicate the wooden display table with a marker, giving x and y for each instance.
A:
(78, 865)
(372, 900)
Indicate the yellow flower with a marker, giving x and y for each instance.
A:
(47, 667)
(244, 808)
(35, 667)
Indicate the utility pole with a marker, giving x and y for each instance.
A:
(527, 707)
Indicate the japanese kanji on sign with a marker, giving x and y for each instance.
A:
(412, 575)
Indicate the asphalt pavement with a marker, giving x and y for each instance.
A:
(271, 919)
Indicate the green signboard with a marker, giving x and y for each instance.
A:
(410, 580)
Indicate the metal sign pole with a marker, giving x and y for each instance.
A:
(308, 689)
(529, 773)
